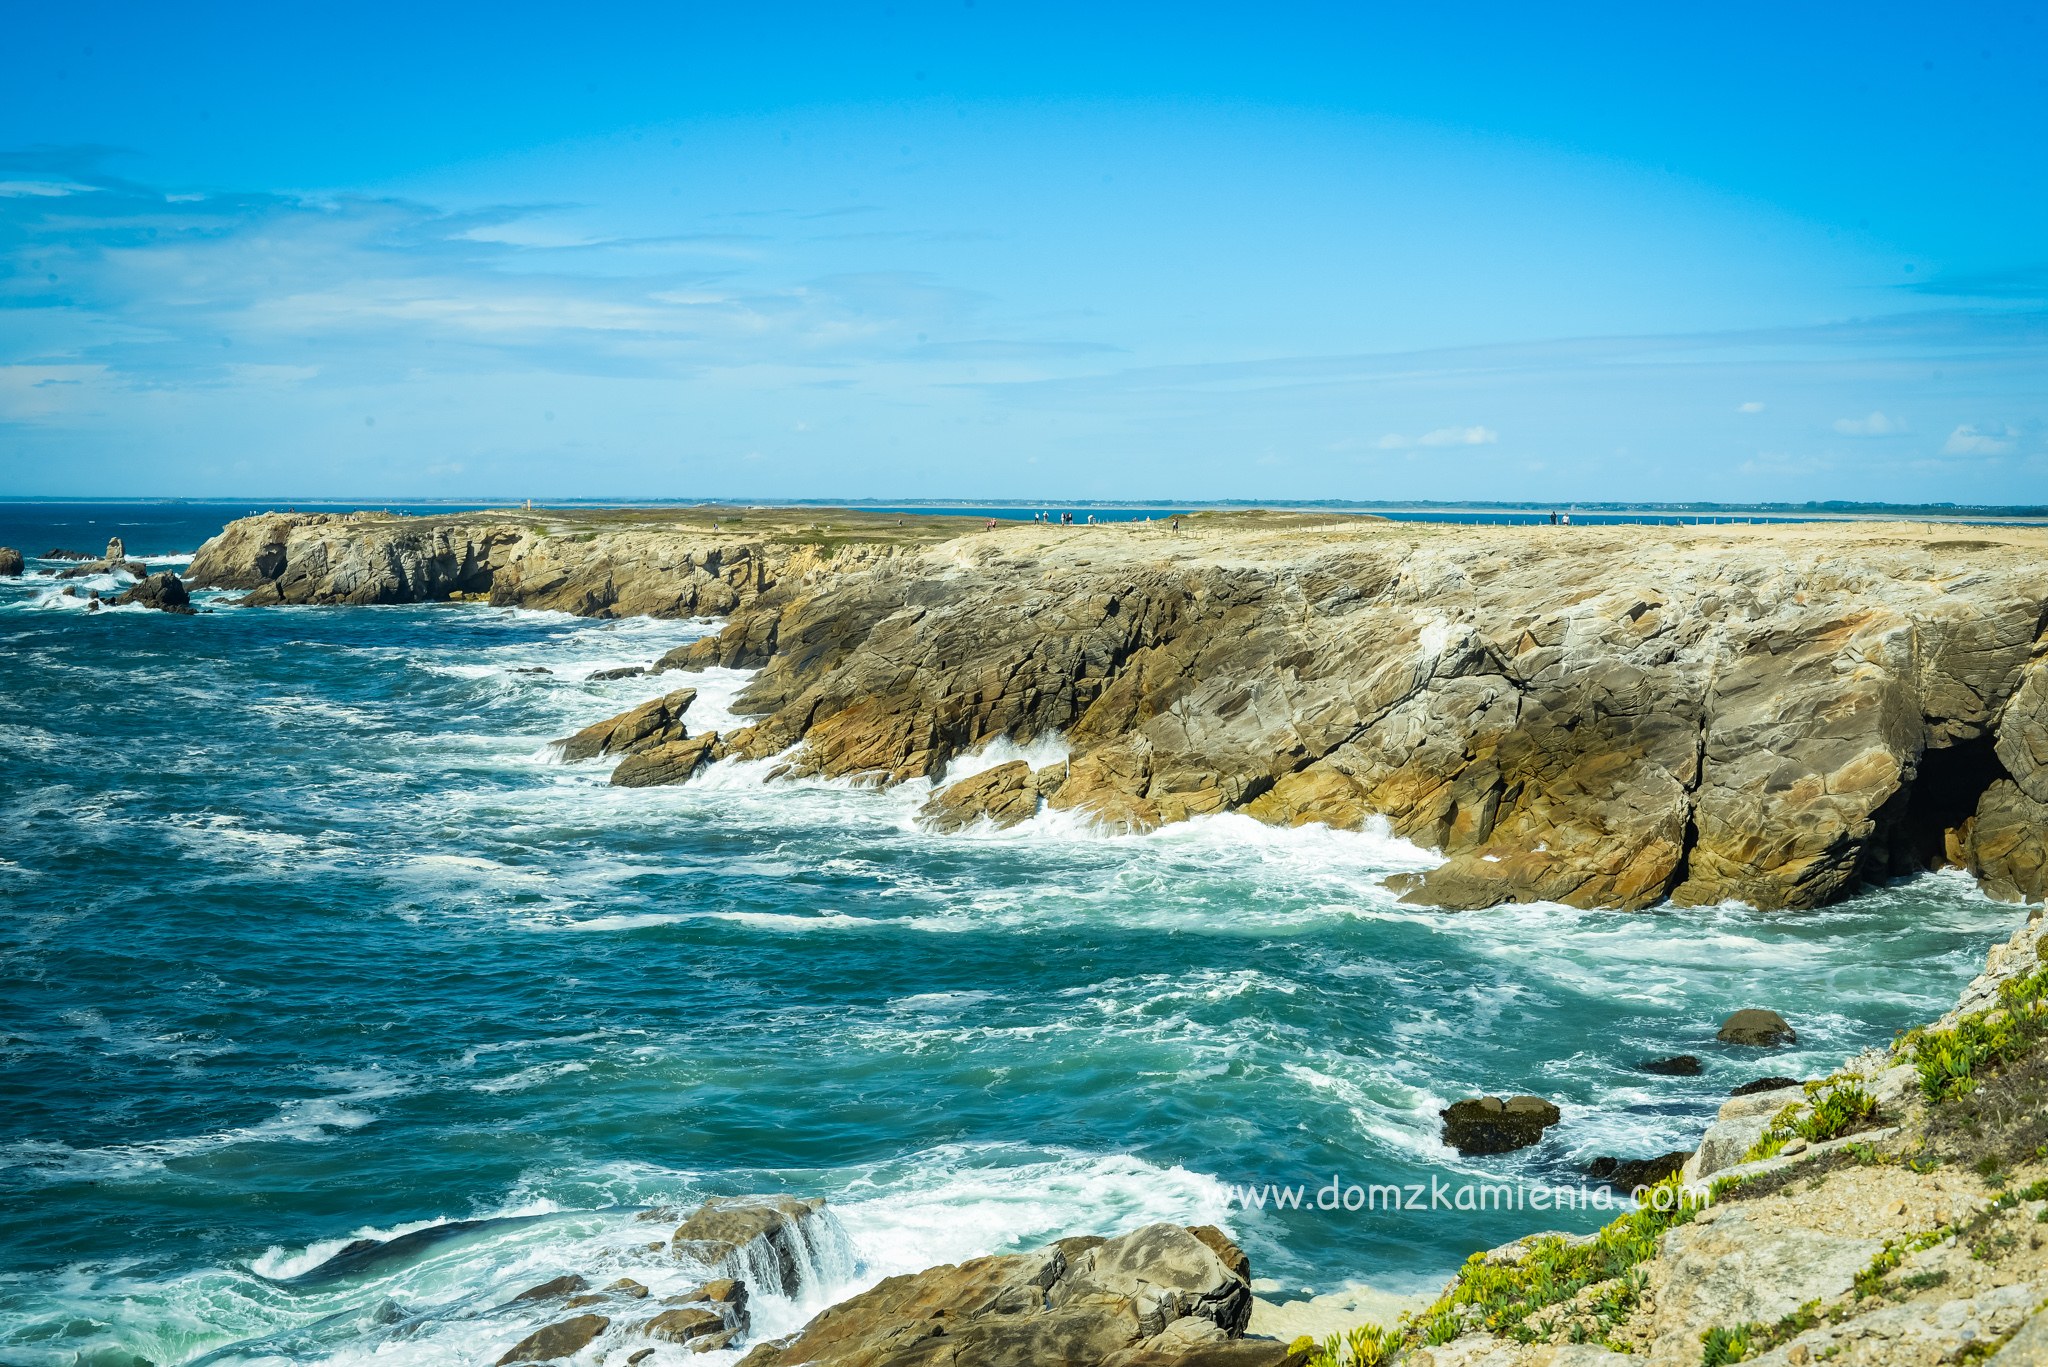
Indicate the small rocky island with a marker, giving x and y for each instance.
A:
(1597, 716)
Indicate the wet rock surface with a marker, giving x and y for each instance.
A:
(1756, 1029)
(760, 1239)
(164, 592)
(1488, 1124)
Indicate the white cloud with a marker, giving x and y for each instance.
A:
(1876, 425)
(1753, 406)
(45, 189)
(1442, 436)
(1972, 440)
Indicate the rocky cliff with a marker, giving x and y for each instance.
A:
(1595, 716)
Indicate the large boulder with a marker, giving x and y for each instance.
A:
(1159, 1295)
(165, 592)
(1487, 1124)
(768, 1242)
(10, 560)
(1755, 1028)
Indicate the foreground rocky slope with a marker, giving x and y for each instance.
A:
(1595, 716)
(1894, 1214)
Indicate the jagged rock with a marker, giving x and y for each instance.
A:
(10, 561)
(1488, 1124)
(623, 672)
(65, 555)
(643, 727)
(1756, 1029)
(567, 1285)
(668, 762)
(1129, 1295)
(1678, 1065)
(116, 552)
(726, 1295)
(1773, 1083)
(1004, 796)
(1226, 1250)
(1626, 1174)
(762, 1237)
(566, 1339)
(683, 1324)
(165, 592)
(1740, 1123)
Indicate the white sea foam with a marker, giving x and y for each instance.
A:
(780, 921)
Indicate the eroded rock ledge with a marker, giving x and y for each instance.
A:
(1595, 716)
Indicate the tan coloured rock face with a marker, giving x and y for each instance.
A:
(1160, 1294)
(1594, 716)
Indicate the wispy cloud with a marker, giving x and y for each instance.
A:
(1972, 440)
(1876, 425)
(1442, 436)
(1753, 406)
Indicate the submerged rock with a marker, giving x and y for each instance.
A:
(1678, 1065)
(1626, 1174)
(1757, 1029)
(1764, 1084)
(566, 1339)
(623, 672)
(1488, 1124)
(1157, 1295)
(554, 1290)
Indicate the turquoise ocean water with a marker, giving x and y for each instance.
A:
(306, 937)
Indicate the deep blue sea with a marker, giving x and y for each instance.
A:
(306, 936)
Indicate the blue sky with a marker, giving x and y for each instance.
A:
(1034, 251)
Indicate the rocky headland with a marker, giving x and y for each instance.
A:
(1598, 716)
